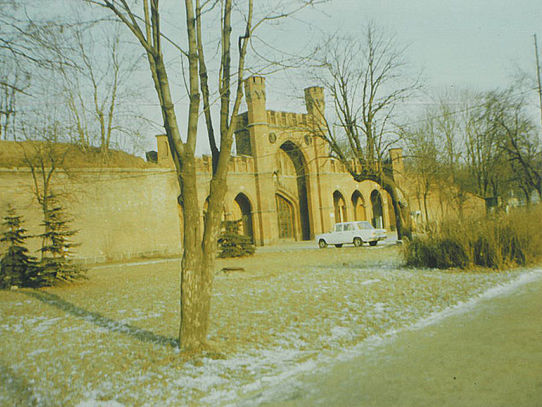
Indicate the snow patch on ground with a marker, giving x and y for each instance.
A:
(282, 390)
(291, 321)
(462, 307)
(371, 281)
(98, 403)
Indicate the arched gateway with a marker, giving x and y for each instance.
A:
(296, 184)
(244, 213)
(378, 212)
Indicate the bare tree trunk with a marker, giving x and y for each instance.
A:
(403, 221)
(425, 207)
(196, 273)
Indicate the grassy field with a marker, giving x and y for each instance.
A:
(111, 340)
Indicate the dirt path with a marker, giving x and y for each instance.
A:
(490, 355)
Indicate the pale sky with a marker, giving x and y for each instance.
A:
(463, 43)
(457, 44)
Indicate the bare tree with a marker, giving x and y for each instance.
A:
(44, 155)
(520, 142)
(97, 89)
(486, 161)
(11, 85)
(200, 244)
(366, 82)
(423, 163)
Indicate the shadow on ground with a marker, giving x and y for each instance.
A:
(101, 320)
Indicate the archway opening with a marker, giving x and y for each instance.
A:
(376, 203)
(339, 205)
(298, 160)
(243, 211)
(285, 217)
(358, 203)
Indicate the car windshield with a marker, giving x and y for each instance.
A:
(364, 225)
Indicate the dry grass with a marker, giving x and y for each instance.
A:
(12, 155)
(112, 338)
(496, 241)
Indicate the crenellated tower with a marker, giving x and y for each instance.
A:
(315, 103)
(254, 140)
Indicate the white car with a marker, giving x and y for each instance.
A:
(355, 233)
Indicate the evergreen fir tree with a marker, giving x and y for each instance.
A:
(233, 244)
(57, 248)
(17, 267)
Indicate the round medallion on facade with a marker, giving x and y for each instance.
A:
(272, 137)
(308, 139)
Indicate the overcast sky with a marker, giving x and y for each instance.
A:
(457, 44)
(460, 43)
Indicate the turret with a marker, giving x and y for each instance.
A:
(164, 153)
(396, 158)
(314, 100)
(255, 98)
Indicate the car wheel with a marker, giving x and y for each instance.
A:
(322, 244)
(373, 243)
(357, 242)
(339, 245)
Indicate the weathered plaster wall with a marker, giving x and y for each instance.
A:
(119, 213)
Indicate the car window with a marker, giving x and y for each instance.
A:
(338, 228)
(348, 227)
(364, 225)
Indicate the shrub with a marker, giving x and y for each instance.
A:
(57, 248)
(233, 244)
(436, 253)
(484, 253)
(505, 240)
(17, 267)
(451, 253)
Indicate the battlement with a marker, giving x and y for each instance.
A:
(255, 81)
(287, 119)
(237, 164)
(314, 100)
(315, 92)
(336, 166)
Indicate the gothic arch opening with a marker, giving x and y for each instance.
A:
(376, 203)
(243, 211)
(339, 205)
(358, 203)
(299, 185)
(285, 217)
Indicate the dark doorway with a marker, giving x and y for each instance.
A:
(295, 154)
(340, 207)
(376, 202)
(246, 215)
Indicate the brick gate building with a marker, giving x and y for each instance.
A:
(282, 182)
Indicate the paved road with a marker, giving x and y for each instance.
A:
(488, 356)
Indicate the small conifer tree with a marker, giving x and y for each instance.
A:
(17, 267)
(233, 244)
(57, 248)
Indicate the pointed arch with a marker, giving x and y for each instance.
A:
(242, 210)
(299, 164)
(358, 205)
(378, 209)
(339, 204)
